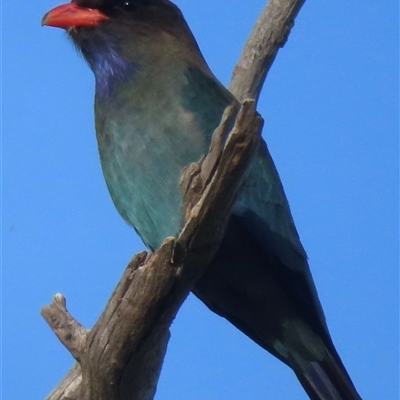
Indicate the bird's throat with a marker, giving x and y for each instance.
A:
(108, 64)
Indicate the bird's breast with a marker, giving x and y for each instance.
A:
(143, 149)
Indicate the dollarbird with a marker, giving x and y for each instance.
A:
(156, 106)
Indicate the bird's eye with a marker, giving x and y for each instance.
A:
(129, 5)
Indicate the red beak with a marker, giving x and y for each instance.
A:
(70, 14)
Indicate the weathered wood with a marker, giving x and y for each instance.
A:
(269, 34)
(133, 328)
(69, 331)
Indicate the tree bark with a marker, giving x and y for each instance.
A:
(268, 35)
(121, 357)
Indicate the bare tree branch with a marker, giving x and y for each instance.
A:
(269, 34)
(69, 387)
(69, 331)
(132, 330)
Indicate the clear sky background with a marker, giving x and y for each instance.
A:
(330, 105)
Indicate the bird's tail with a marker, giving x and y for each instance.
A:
(327, 379)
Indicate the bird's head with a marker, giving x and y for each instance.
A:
(79, 15)
(117, 37)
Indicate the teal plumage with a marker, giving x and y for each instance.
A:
(156, 106)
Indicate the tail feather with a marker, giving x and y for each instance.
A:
(327, 380)
(277, 308)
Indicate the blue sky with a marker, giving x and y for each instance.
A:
(330, 105)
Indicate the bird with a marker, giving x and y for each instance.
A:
(156, 106)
